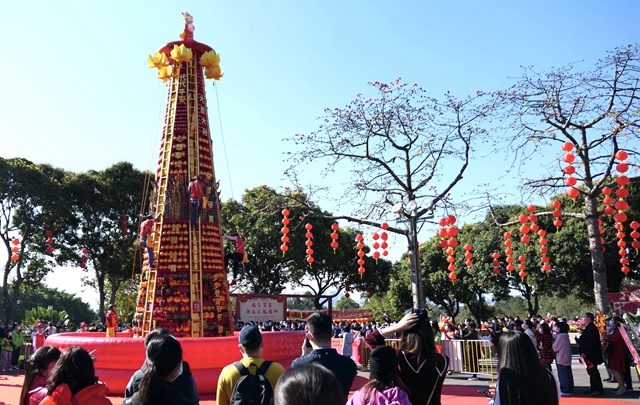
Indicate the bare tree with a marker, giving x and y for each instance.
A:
(598, 112)
(395, 150)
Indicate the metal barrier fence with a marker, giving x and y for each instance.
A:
(465, 356)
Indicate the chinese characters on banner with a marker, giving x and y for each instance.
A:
(260, 308)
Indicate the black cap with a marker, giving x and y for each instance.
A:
(249, 334)
(383, 359)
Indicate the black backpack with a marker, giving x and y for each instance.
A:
(252, 389)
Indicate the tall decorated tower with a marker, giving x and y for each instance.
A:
(186, 289)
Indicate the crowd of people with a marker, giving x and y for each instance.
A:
(412, 373)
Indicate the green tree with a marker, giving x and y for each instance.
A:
(31, 199)
(258, 220)
(346, 303)
(596, 114)
(102, 201)
(300, 304)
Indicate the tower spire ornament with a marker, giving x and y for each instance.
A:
(185, 289)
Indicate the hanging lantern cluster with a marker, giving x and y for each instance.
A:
(635, 235)
(49, 242)
(621, 206)
(607, 200)
(546, 267)
(569, 170)
(334, 236)
(384, 236)
(448, 242)
(125, 225)
(360, 247)
(84, 258)
(285, 231)
(524, 229)
(496, 263)
(376, 246)
(468, 255)
(522, 266)
(15, 249)
(369, 293)
(508, 251)
(557, 222)
(347, 286)
(309, 244)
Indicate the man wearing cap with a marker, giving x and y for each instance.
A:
(146, 229)
(251, 347)
(319, 336)
(196, 196)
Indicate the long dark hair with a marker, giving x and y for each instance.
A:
(522, 379)
(310, 383)
(383, 372)
(419, 341)
(164, 354)
(39, 361)
(75, 368)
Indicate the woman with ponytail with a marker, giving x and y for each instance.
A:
(164, 360)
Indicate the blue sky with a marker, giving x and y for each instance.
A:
(76, 91)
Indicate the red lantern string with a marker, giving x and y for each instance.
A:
(285, 231)
(496, 263)
(384, 236)
(376, 246)
(522, 266)
(451, 232)
(621, 205)
(557, 222)
(15, 256)
(360, 246)
(546, 267)
(635, 235)
(468, 255)
(369, 292)
(607, 200)
(334, 236)
(569, 170)
(309, 243)
(508, 252)
(50, 249)
(84, 258)
(125, 225)
(601, 232)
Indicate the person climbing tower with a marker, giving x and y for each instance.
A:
(146, 229)
(196, 195)
(238, 256)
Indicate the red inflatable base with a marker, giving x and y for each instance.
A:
(118, 358)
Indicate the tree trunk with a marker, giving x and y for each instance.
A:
(600, 290)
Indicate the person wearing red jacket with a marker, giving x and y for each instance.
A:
(111, 320)
(73, 381)
(196, 197)
(237, 257)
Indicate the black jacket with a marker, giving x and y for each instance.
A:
(183, 387)
(589, 344)
(343, 367)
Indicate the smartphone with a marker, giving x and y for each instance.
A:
(306, 342)
(485, 393)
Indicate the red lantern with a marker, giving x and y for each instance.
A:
(15, 249)
(285, 230)
(567, 146)
(569, 170)
(308, 227)
(15, 257)
(361, 270)
(507, 235)
(569, 158)
(15, 241)
(285, 212)
(50, 250)
(384, 226)
(531, 208)
(525, 239)
(49, 242)
(608, 210)
(556, 204)
(452, 277)
(573, 192)
(496, 270)
(621, 155)
(557, 223)
(522, 274)
(82, 265)
(48, 234)
(622, 180)
(85, 251)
